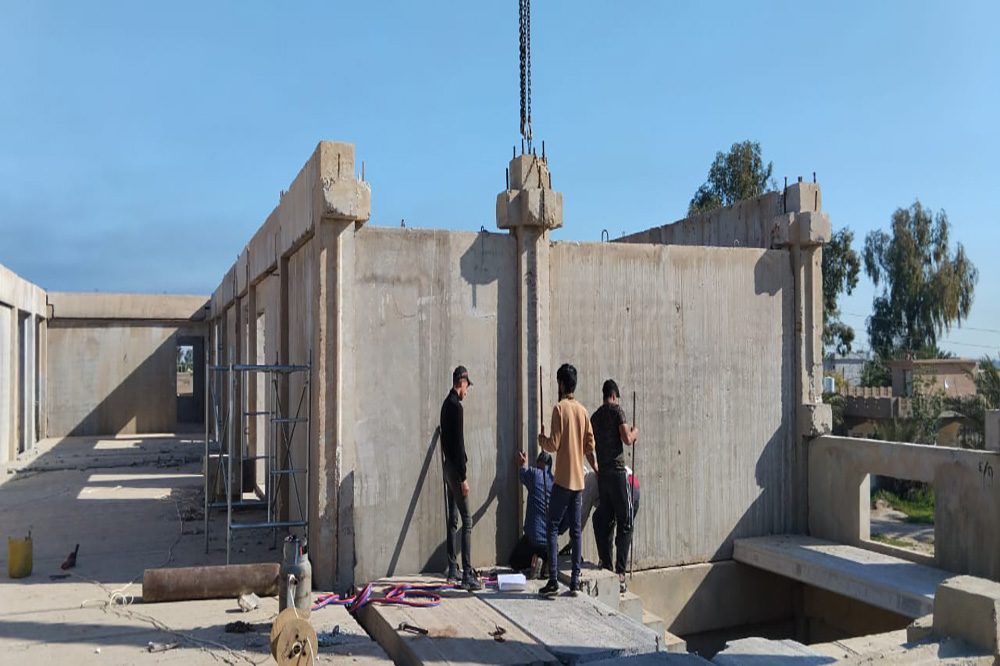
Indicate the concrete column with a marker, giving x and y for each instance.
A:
(251, 388)
(529, 210)
(8, 321)
(43, 364)
(803, 230)
(342, 203)
(15, 383)
(992, 430)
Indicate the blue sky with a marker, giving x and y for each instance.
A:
(146, 142)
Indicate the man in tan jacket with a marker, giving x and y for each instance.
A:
(572, 439)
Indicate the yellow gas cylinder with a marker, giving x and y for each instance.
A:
(19, 557)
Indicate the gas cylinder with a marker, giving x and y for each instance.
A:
(296, 577)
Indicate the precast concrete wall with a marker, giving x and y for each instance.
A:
(703, 336)
(111, 365)
(427, 301)
(22, 347)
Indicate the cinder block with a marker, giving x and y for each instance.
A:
(967, 607)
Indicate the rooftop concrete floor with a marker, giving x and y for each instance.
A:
(131, 503)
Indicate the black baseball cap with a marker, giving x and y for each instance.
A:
(459, 374)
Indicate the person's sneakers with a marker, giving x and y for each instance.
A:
(551, 589)
(470, 583)
(566, 550)
(622, 587)
(536, 567)
(454, 575)
(574, 588)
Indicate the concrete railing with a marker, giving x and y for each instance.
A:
(967, 498)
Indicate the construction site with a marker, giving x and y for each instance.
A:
(255, 475)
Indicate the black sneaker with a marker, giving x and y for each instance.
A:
(574, 588)
(470, 583)
(454, 574)
(566, 550)
(551, 589)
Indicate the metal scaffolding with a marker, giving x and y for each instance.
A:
(227, 417)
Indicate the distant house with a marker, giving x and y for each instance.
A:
(864, 408)
(849, 367)
(953, 376)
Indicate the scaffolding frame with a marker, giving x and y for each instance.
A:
(225, 399)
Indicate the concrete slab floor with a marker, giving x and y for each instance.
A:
(131, 503)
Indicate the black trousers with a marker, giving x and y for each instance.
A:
(615, 511)
(458, 507)
(520, 559)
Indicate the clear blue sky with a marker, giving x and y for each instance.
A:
(142, 144)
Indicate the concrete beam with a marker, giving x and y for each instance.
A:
(880, 580)
(119, 307)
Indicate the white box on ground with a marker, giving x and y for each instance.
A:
(511, 582)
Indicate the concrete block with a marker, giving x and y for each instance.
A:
(803, 197)
(630, 604)
(920, 629)
(815, 419)
(993, 429)
(530, 208)
(576, 629)
(158, 307)
(766, 652)
(347, 200)
(528, 172)
(801, 229)
(969, 608)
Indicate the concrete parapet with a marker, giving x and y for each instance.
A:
(967, 506)
(969, 608)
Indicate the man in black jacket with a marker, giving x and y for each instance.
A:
(456, 482)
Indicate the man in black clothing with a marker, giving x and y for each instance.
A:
(456, 482)
(615, 508)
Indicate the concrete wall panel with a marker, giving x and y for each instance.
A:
(427, 301)
(704, 336)
(112, 377)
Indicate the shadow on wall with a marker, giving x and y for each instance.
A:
(144, 401)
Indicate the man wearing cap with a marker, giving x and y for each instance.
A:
(572, 439)
(456, 482)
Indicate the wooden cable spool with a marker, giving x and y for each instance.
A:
(293, 640)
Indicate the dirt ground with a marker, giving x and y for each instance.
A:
(131, 503)
(889, 522)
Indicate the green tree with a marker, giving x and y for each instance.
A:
(840, 274)
(741, 174)
(925, 287)
(734, 176)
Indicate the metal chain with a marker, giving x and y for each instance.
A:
(525, 34)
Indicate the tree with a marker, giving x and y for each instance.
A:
(925, 288)
(734, 176)
(840, 274)
(741, 174)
